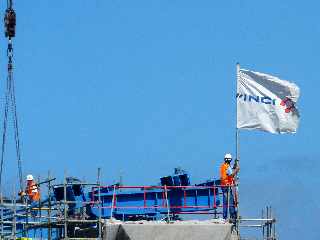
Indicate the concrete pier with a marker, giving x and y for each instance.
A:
(199, 230)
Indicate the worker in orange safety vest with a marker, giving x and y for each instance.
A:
(227, 175)
(32, 189)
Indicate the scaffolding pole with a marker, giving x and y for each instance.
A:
(49, 208)
(99, 199)
(65, 206)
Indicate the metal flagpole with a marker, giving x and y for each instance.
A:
(237, 130)
(236, 195)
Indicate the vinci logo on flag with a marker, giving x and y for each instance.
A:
(266, 103)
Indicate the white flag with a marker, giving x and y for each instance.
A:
(266, 103)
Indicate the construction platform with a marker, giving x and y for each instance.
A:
(80, 210)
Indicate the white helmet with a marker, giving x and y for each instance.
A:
(228, 156)
(29, 177)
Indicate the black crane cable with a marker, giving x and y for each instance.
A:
(16, 128)
(4, 133)
(10, 102)
(9, 3)
(14, 106)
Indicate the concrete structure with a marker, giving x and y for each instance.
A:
(187, 230)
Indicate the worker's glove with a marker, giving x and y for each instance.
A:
(21, 193)
(236, 163)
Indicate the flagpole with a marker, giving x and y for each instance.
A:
(237, 130)
(237, 143)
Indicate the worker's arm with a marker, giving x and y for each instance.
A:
(232, 172)
(235, 168)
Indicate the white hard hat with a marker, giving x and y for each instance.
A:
(29, 177)
(228, 156)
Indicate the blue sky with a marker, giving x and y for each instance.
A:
(140, 87)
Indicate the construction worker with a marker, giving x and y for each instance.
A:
(32, 189)
(227, 176)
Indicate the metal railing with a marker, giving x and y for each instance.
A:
(214, 196)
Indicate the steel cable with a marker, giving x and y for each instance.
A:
(10, 98)
(4, 133)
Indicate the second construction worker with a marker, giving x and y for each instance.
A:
(227, 176)
(32, 189)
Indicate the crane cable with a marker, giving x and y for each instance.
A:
(10, 98)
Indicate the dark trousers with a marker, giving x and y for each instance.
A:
(228, 201)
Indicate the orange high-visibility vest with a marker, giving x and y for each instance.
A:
(33, 191)
(225, 179)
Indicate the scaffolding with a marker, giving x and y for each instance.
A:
(267, 224)
(55, 218)
(48, 218)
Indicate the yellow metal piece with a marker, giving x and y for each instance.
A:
(43, 208)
